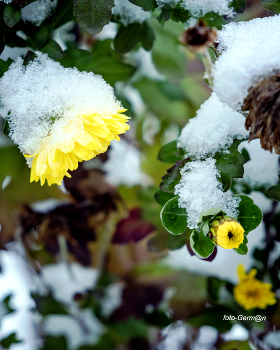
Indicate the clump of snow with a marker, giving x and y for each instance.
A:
(129, 13)
(7, 1)
(263, 168)
(199, 190)
(250, 50)
(212, 130)
(199, 8)
(124, 165)
(44, 99)
(38, 11)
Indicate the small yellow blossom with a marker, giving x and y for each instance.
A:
(226, 232)
(93, 137)
(252, 293)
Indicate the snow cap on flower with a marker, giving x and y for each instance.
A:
(249, 51)
(201, 138)
(252, 293)
(226, 232)
(199, 190)
(59, 116)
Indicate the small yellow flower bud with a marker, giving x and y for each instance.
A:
(226, 232)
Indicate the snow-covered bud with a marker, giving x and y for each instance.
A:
(226, 232)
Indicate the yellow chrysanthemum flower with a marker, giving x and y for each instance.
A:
(252, 293)
(227, 232)
(93, 137)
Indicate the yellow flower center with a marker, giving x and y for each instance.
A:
(229, 235)
(52, 163)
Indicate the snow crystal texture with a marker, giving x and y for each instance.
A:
(249, 50)
(38, 11)
(124, 165)
(199, 190)
(200, 7)
(263, 168)
(33, 96)
(212, 130)
(129, 13)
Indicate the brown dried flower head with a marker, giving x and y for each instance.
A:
(263, 104)
(199, 37)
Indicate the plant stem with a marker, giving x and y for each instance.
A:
(207, 61)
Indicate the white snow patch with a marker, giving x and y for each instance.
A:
(200, 190)
(129, 13)
(199, 8)
(250, 50)
(66, 280)
(212, 130)
(38, 11)
(43, 90)
(263, 168)
(124, 165)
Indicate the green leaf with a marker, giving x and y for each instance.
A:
(242, 249)
(230, 165)
(238, 5)
(169, 153)
(173, 218)
(93, 14)
(111, 69)
(41, 37)
(76, 58)
(201, 245)
(6, 128)
(8, 341)
(29, 57)
(4, 66)
(250, 215)
(167, 53)
(53, 343)
(127, 37)
(173, 176)
(147, 5)
(11, 15)
(47, 305)
(162, 197)
(53, 50)
(214, 285)
(63, 13)
(271, 5)
(165, 15)
(8, 307)
(131, 328)
(274, 192)
(245, 155)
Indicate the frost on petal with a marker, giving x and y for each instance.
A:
(263, 167)
(129, 13)
(38, 11)
(124, 165)
(212, 130)
(200, 190)
(250, 50)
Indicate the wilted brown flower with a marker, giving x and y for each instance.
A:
(199, 37)
(263, 103)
